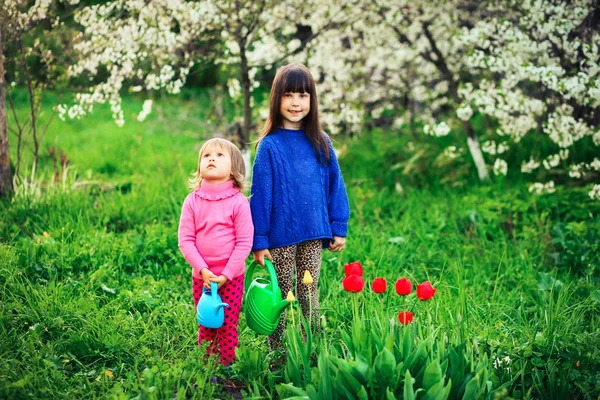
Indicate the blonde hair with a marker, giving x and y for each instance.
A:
(238, 168)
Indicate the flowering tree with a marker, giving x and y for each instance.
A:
(27, 34)
(150, 46)
(528, 66)
(137, 44)
(540, 72)
(400, 56)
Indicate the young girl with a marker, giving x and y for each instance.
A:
(215, 237)
(298, 199)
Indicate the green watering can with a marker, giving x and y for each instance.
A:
(263, 304)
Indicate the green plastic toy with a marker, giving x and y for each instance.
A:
(263, 303)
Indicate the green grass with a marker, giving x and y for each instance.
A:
(96, 299)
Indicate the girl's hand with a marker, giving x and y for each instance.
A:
(338, 243)
(206, 277)
(221, 279)
(259, 256)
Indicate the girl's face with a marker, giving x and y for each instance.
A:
(215, 165)
(293, 108)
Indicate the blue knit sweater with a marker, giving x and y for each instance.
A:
(295, 198)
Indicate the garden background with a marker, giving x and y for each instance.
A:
(467, 133)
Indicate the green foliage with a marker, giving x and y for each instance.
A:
(95, 299)
(380, 360)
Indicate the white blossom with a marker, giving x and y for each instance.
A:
(552, 161)
(234, 87)
(146, 109)
(595, 192)
(489, 147)
(500, 167)
(577, 170)
(529, 166)
(453, 152)
(441, 129)
(464, 113)
(542, 188)
(502, 363)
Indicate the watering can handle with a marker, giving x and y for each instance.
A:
(272, 274)
(213, 288)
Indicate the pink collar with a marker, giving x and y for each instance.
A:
(218, 191)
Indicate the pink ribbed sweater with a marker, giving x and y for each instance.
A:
(215, 230)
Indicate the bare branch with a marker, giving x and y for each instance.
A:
(32, 107)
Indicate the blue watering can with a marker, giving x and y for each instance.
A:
(210, 310)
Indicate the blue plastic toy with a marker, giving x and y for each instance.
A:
(210, 310)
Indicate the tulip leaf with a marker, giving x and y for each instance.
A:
(312, 392)
(406, 344)
(458, 367)
(389, 395)
(444, 367)
(438, 391)
(292, 371)
(361, 369)
(473, 389)
(389, 343)
(348, 341)
(385, 362)
(399, 375)
(324, 384)
(284, 390)
(409, 393)
(466, 379)
(414, 356)
(362, 394)
(433, 375)
(346, 376)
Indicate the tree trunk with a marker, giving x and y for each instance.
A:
(6, 187)
(246, 91)
(440, 62)
(36, 144)
(475, 151)
(245, 131)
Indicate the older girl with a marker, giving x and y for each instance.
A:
(298, 198)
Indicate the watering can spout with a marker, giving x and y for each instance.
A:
(280, 307)
(221, 305)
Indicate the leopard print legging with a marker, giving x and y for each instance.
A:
(301, 257)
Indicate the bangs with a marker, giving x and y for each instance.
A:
(296, 81)
(215, 143)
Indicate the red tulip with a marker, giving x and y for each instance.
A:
(354, 268)
(405, 317)
(403, 286)
(379, 285)
(353, 283)
(425, 291)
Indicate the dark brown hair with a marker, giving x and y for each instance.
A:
(296, 78)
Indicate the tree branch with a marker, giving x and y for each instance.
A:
(32, 107)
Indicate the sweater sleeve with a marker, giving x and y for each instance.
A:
(244, 231)
(339, 209)
(187, 236)
(261, 197)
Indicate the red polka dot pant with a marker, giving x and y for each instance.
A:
(224, 340)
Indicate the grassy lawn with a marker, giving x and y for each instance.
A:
(96, 299)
